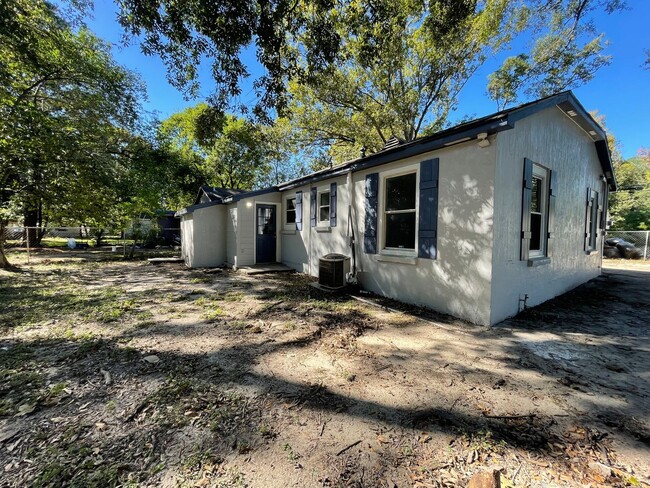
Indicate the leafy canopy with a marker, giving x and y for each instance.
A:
(403, 77)
(229, 151)
(73, 146)
(630, 205)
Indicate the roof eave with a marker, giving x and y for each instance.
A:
(419, 146)
(192, 208)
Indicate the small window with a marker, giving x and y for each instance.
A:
(324, 207)
(290, 211)
(400, 212)
(265, 221)
(538, 212)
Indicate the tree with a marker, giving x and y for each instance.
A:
(184, 33)
(404, 77)
(425, 54)
(230, 151)
(300, 40)
(565, 51)
(630, 205)
(65, 107)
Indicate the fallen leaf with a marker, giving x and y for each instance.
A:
(25, 408)
(472, 457)
(153, 359)
(382, 440)
(107, 377)
(100, 425)
(7, 433)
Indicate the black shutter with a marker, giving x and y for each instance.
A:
(312, 207)
(588, 214)
(595, 208)
(428, 221)
(298, 210)
(333, 205)
(550, 222)
(601, 207)
(371, 205)
(526, 199)
(603, 216)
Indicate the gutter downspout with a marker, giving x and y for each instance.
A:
(309, 234)
(351, 222)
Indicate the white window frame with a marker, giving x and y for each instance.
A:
(384, 176)
(540, 173)
(286, 225)
(321, 191)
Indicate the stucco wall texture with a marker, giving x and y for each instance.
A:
(478, 274)
(551, 139)
(203, 240)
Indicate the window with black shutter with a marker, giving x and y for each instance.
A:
(538, 209)
(591, 220)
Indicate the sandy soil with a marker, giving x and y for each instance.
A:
(220, 379)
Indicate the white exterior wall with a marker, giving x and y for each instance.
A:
(302, 249)
(551, 139)
(246, 226)
(231, 235)
(458, 282)
(187, 242)
(203, 237)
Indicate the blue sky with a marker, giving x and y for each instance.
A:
(620, 91)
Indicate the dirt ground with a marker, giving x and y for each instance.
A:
(121, 373)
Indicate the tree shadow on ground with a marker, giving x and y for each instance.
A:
(121, 429)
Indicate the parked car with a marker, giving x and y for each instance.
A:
(618, 248)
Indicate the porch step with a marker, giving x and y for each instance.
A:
(265, 269)
(165, 260)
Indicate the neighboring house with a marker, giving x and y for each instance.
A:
(474, 221)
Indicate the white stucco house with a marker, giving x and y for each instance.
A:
(473, 221)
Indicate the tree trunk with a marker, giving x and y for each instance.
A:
(4, 262)
(32, 234)
(98, 235)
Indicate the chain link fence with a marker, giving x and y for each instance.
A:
(635, 245)
(93, 240)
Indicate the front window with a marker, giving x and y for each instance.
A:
(400, 212)
(290, 212)
(538, 211)
(324, 206)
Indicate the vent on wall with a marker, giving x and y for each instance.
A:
(332, 270)
(392, 142)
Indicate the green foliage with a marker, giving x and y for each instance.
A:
(401, 72)
(66, 109)
(564, 51)
(185, 33)
(73, 149)
(400, 77)
(629, 207)
(354, 73)
(228, 151)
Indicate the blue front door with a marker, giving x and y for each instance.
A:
(265, 231)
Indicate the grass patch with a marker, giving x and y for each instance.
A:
(52, 294)
(213, 313)
(203, 468)
(232, 296)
